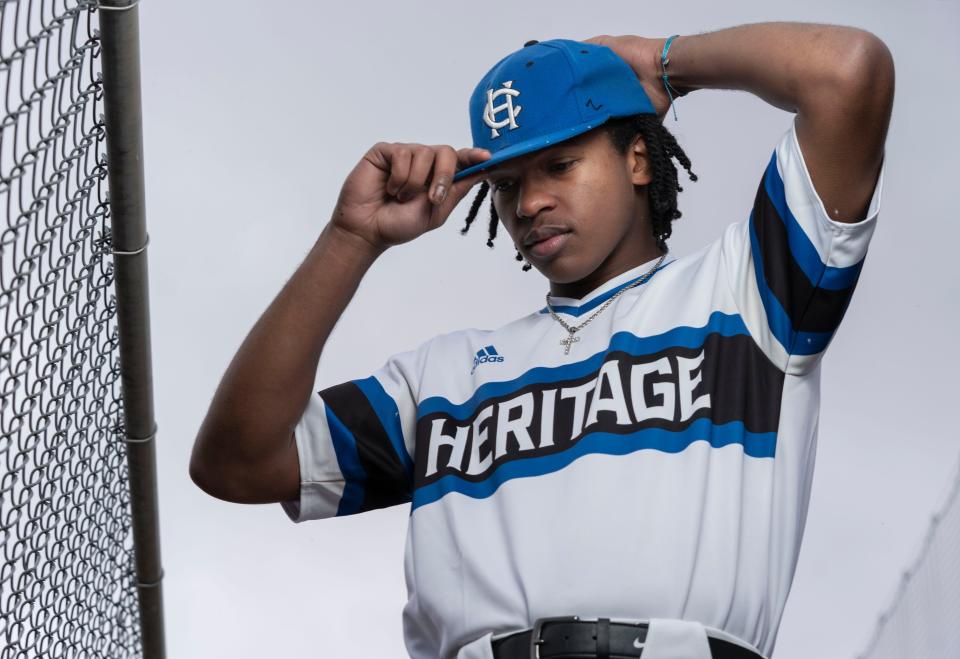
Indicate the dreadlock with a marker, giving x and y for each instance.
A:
(662, 148)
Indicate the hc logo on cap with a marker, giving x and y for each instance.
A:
(568, 87)
(490, 112)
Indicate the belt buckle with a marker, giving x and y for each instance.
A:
(536, 641)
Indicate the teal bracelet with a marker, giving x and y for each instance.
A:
(666, 83)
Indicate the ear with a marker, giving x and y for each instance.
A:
(638, 162)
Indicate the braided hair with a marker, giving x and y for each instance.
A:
(662, 147)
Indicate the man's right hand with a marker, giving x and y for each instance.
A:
(245, 450)
(390, 197)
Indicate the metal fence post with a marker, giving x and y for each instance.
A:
(120, 43)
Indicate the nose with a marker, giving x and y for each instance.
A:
(532, 198)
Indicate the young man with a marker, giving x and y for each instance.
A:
(638, 452)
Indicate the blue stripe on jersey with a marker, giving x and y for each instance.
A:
(756, 445)
(801, 247)
(386, 409)
(600, 299)
(345, 446)
(794, 342)
(683, 337)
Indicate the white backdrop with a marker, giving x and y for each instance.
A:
(254, 113)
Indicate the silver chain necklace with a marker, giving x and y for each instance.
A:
(573, 329)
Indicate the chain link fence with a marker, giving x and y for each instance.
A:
(68, 587)
(921, 620)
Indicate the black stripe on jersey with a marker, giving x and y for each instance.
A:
(742, 383)
(810, 308)
(387, 481)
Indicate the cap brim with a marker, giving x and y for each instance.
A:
(533, 144)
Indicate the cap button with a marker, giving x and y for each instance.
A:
(530, 43)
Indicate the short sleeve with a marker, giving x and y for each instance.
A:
(355, 443)
(792, 269)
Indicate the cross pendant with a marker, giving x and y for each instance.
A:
(569, 341)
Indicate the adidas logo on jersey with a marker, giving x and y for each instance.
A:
(487, 355)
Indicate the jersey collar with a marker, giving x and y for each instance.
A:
(578, 306)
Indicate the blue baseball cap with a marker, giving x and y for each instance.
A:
(548, 92)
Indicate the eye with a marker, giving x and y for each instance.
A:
(504, 184)
(563, 165)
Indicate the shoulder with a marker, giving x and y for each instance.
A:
(474, 338)
(701, 263)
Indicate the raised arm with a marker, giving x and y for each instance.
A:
(838, 80)
(245, 449)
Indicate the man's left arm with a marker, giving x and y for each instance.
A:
(794, 262)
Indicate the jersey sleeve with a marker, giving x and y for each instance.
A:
(792, 268)
(355, 443)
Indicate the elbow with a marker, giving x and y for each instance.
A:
(202, 477)
(854, 82)
(867, 74)
(225, 478)
(856, 97)
(198, 474)
(218, 489)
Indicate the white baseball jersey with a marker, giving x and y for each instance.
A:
(661, 469)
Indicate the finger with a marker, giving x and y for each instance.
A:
(400, 157)
(469, 157)
(600, 39)
(456, 191)
(444, 167)
(419, 171)
(448, 162)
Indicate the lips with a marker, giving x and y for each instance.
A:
(550, 246)
(543, 233)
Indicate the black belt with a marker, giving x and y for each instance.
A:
(572, 638)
